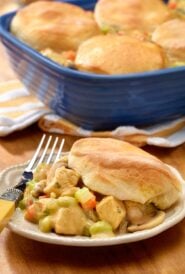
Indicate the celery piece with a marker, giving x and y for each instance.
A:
(52, 205)
(66, 201)
(31, 185)
(83, 195)
(45, 224)
(86, 231)
(100, 227)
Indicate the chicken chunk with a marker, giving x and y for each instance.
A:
(70, 221)
(41, 172)
(62, 162)
(38, 188)
(63, 180)
(111, 210)
(138, 214)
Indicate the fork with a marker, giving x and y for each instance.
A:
(11, 197)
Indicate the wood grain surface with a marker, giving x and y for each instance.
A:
(162, 254)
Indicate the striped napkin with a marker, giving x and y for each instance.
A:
(19, 109)
(170, 134)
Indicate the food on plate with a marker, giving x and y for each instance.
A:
(171, 36)
(113, 167)
(118, 54)
(102, 188)
(54, 25)
(131, 14)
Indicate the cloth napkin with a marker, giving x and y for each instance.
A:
(19, 109)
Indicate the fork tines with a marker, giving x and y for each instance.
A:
(47, 150)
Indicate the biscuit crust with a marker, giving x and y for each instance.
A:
(54, 25)
(113, 167)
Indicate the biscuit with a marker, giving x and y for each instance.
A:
(55, 25)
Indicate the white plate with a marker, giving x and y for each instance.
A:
(11, 176)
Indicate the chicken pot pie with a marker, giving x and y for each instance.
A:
(118, 54)
(104, 187)
(62, 32)
(53, 25)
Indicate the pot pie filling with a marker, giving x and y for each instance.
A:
(57, 201)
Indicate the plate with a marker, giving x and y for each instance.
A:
(17, 224)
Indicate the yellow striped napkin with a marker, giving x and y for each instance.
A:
(19, 109)
(169, 134)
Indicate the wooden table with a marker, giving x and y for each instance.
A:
(163, 254)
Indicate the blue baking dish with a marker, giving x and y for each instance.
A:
(92, 101)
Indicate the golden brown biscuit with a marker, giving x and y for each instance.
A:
(54, 25)
(130, 14)
(171, 36)
(117, 54)
(112, 167)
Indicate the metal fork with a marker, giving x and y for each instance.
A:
(10, 198)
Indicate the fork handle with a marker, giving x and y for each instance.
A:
(7, 209)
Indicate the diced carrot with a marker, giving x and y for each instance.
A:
(33, 212)
(172, 5)
(30, 214)
(90, 204)
(70, 55)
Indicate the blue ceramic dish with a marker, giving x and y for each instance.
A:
(86, 4)
(97, 102)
